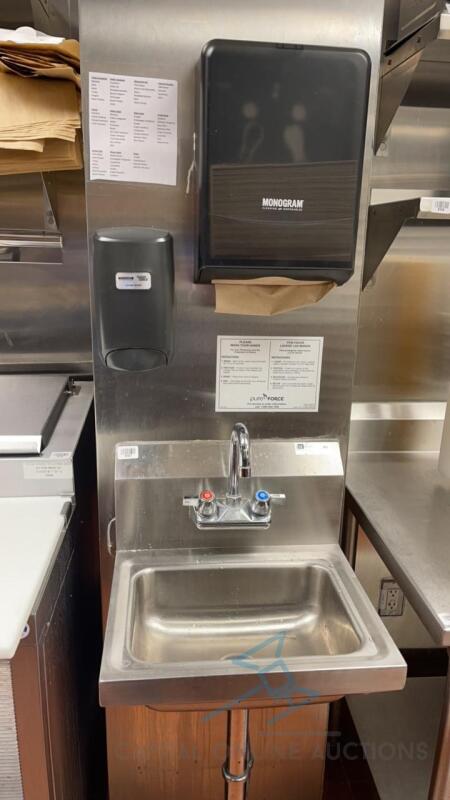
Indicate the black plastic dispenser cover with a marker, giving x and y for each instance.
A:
(282, 135)
(134, 294)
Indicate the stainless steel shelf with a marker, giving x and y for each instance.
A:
(399, 64)
(403, 504)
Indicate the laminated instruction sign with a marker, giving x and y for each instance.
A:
(268, 373)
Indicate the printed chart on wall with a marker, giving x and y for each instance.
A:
(132, 128)
(268, 373)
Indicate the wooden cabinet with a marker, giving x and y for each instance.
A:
(54, 673)
(157, 755)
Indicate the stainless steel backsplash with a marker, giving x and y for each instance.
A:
(44, 295)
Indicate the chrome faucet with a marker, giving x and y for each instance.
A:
(233, 510)
(239, 465)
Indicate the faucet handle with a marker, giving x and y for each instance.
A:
(279, 499)
(263, 500)
(261, 503)
(205, 503)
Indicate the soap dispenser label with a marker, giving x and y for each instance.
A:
(133, 280)
(271, 374)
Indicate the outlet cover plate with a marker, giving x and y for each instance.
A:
(391, 601)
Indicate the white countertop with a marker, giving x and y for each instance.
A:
(30, 532)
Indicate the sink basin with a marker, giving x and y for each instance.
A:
(196, 629)
(215, 613)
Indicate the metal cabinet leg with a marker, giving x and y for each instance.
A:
(440, 780)
(349, 540)
(349, 545)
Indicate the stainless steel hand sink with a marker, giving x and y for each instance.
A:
(256, 628)
(215, 613)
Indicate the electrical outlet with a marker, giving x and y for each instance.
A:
(391, 602)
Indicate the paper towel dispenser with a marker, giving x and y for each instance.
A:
(282, 136)
(134, 292)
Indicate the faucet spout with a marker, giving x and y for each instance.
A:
(234, 511)
(239, 460)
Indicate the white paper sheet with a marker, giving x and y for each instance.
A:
(26, 35)
(133, 128)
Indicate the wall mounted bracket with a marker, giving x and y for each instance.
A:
(398, 67)
(386, 220)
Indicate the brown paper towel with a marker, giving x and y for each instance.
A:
(265, 297)
(57, 154)
(40, 58)
(39, 125)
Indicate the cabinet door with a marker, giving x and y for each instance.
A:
(160, 755)
(62, 665)
(70, 650)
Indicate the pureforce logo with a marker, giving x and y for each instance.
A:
(282, 204)
(267, 398)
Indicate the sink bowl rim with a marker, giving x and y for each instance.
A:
(377, 666)
(208, 563)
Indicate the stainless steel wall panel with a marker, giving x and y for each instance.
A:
(44, 304)
(21, 202)
(401, 426)
(404, 331)
(417, 151)
(14, 13)
(150, 489)
(44, 307)
(165, 40)
(404, 326)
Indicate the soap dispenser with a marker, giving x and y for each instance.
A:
(134, 296)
